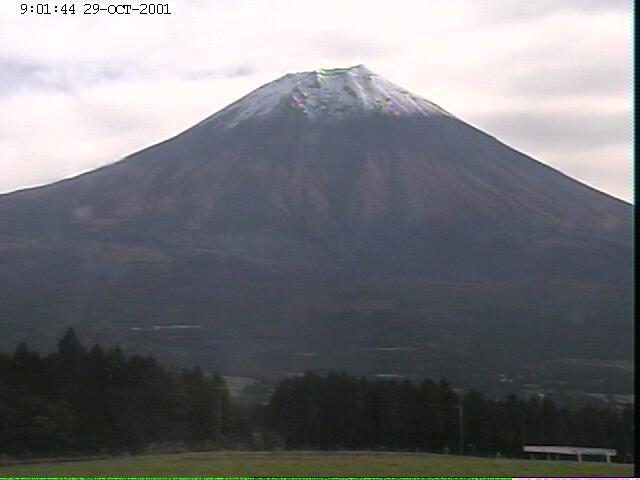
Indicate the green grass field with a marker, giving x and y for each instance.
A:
(316, 464)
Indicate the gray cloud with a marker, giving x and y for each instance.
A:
(16, 74)
(552, 80)
(576, 131)
(234, 71)
(67, 77)
(511, 10)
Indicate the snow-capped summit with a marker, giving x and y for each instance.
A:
(328, 94)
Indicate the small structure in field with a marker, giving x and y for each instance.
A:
(579, 452)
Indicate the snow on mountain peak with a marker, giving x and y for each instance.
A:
(323, 94)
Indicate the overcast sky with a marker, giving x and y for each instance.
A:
(549, 77)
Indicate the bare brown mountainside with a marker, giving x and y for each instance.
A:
(329, 219)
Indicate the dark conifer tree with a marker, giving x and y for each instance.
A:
(74, 401)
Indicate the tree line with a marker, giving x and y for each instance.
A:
(100, 400)
(339, 411)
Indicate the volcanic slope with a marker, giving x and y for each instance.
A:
(328, 219)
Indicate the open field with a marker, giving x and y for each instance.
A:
(316, 464)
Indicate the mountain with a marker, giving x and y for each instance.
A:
(329, 219)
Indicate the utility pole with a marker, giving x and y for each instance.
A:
(461, 423)
(218, 413)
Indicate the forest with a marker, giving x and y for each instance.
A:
(79, 401)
